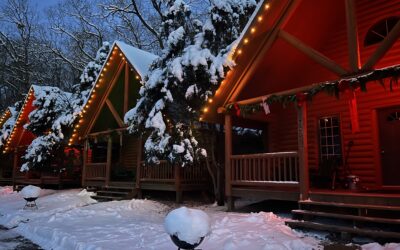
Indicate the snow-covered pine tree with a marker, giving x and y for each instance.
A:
(188, 73)
(56, 112)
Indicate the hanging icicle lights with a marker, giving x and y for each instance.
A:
(92, 96)
(239, 50)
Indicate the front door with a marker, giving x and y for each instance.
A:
(389, 133)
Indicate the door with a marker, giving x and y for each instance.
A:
(389, 134)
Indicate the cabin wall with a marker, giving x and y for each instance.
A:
(364, 157)
(368, 13)
(129, 152)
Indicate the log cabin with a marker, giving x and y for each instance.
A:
(112, 157)
(323, 78)
(6, 159)
(59, 172)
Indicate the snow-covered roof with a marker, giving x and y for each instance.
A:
(139, 59)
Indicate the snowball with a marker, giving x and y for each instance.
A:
(187, 224)
(30, 192)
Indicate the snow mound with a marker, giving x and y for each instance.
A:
(30, 192)
(146, 206)
(6, 190)
(187, 224)
(377, 246)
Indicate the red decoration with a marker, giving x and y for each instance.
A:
(300, 98)
(237, 108)
(355, 125)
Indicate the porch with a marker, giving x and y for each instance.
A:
(113, 165)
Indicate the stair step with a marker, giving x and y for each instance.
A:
(340, 229)
(348, 205)
(118, 188)
(347, 217)
(106, 198)
(112, 192)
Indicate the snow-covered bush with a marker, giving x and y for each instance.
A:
(30, 192)
(189, 225)
(187, 74)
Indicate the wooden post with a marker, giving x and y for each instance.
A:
(138, 168)
(108, 165)
(303, 151)
(15, 167)
(178, 182)
(352, 36)
(228, 154)
(85, 154)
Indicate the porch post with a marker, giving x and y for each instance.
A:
(138, 167)
(85, 154)
(14, 172)
(303, 151)
(178, 186)
(108, 164)
(228, 154)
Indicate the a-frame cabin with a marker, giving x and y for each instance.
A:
(322, 76)
(112, 157)
(59, 171)
(6, 159)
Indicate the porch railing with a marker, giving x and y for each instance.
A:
(165, 172)
(280, 169)
(96, 171)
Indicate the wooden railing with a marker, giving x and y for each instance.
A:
(165, 172)
(280, 168)
(95, 171)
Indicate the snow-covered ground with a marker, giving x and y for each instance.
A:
(70, 219)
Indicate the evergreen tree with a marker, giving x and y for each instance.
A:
(187, 74)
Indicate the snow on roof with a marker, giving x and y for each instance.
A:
(139, 59)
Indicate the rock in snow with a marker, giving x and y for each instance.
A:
(188, 224)
(30, 192)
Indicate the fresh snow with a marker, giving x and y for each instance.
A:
(189, 225)
(70, 219)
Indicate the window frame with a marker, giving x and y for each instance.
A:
(340, 135)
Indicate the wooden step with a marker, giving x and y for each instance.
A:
(116, 193)
(348, 205)
(118, 188)
(340, 229)
(347, 217)
(106, 198)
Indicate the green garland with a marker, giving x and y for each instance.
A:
(331, 88)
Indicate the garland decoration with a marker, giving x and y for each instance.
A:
(346, 86)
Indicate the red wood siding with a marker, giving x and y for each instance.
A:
(364, 159)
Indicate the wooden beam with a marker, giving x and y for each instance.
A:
(115, 113)
(15, 163)
(352, 36)
(126, 88)
(386, 44)
(312, 53)
(228, 168)
(178, 183)
(266, 44)
(108, 164)
(304, 180)
(104, 98)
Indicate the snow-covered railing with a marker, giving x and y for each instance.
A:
(96, 171)
(275, 169)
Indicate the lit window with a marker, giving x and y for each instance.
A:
(380, 30)
(329, 138)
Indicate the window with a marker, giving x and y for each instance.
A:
(395, 116)
(329, 138)
(380, 30)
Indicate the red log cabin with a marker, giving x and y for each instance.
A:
(113, 157)
(322, 76)
(57, 173)
(6, 167)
